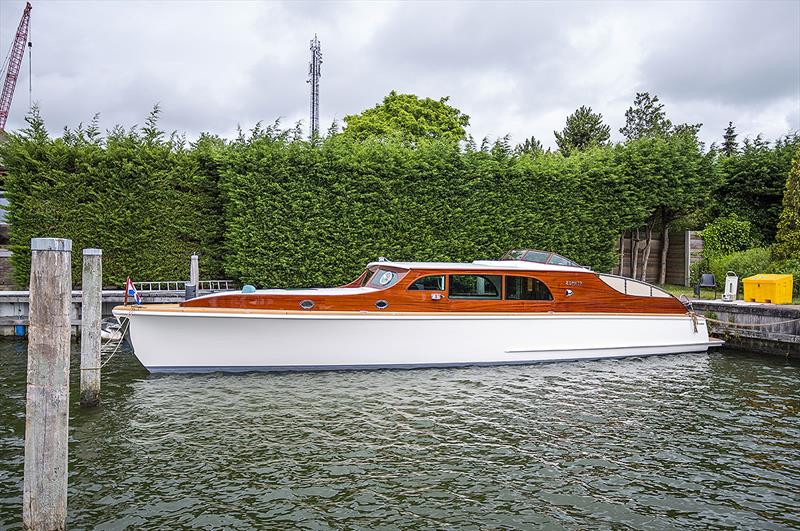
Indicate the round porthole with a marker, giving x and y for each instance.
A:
(306, 304)
(381, 304)
(385, 278)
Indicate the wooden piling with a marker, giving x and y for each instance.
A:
(44, 493)
(91, 315)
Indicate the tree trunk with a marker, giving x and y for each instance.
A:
(646, 252)
(634, 253)
(662, 279)
(621, 252)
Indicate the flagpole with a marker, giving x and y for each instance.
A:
(127, 283)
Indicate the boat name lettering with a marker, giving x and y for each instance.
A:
(574, 283)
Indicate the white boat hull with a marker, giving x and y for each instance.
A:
(199, 342)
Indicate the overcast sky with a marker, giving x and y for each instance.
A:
(513, 67)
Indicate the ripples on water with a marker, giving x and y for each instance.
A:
(663, 442)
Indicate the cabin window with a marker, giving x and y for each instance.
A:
(475, 286)
(367, 275)
(633, 287)
(526, 289)
(430, 283)
(384, 278)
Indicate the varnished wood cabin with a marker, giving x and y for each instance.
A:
(523, 281)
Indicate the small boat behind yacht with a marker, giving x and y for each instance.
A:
(530, 306)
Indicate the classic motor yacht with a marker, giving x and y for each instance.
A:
(530, 306)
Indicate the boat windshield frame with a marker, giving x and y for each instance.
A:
(538, 256)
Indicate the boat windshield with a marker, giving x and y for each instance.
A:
(366, 277)
(540, 257)
(384, 278)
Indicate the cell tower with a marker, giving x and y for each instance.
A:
(313, 79)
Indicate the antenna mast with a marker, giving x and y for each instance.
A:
(313, 79)
(15, 56)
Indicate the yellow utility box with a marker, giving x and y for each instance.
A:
(776, 289)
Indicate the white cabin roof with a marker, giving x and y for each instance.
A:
(505, 265)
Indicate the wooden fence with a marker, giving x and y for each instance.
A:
(685, 248)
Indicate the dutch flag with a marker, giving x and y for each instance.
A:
(131, 289)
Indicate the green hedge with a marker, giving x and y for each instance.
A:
(138, 196)
(305, 215)
(274, 210)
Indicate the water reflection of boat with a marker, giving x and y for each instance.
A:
(531, 306)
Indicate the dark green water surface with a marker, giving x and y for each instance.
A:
(688, 441)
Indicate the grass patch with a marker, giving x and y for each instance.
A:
(705, 293)
(678, 290)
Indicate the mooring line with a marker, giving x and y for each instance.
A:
(746, 325)
(123, 330)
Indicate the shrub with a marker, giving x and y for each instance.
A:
(726, 235)
(744, 264)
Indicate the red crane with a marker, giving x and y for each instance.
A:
(14, 62)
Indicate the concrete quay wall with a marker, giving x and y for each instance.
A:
(766, 328)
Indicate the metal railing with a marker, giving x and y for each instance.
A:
(180, 285)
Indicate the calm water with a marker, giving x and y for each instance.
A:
(666, 442)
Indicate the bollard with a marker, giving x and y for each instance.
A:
(194, 270)
(91, 315)
(44, 491)
(190, 292)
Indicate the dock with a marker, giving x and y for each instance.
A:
(15, 306)
(759, 327)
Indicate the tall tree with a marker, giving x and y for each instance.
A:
(673, 178)
(788, 236)
(531, 146)
(752, 183)
(584, 129)
(729, 145)
(408, 118)
(646, 117)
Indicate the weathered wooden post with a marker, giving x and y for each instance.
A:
(44, 492)
(91, 315)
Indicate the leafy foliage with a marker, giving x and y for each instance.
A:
(726, 235)
(139, 196)
(743, 263)
(584, 129)
(531, 146)
(409, 118)
(674, 177)
(274, 209)
(646, 117)
(788, 236)
(752, 184)
(305, 216)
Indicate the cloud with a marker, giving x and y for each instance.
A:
(514, 67)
